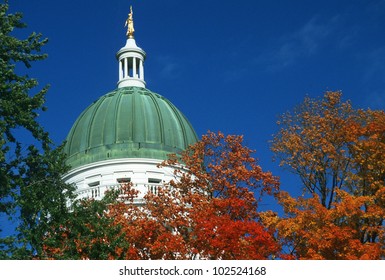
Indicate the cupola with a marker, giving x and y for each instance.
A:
(131, 59)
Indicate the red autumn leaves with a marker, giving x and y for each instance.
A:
(211, 211)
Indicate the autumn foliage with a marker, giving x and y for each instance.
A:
(208, 212)
(339, 155)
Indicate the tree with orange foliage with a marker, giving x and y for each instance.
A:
(311, 231)
(209, 212)
(338, 153)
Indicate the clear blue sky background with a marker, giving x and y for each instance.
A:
(233, 66)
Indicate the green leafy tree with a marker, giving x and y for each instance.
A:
(31, 190)
(86, 232)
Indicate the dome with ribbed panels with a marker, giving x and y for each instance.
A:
(129, 122)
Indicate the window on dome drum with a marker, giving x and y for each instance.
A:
(154, 181)
(123, 180)
(94, 184)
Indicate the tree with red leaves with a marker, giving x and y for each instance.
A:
(209, 212)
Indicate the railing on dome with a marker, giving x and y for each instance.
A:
(98, 192)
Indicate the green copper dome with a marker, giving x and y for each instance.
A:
(129, 122)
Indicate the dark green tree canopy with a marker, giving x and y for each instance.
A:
(17, 108)
(31, 189)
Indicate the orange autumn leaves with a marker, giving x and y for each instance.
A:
(311, 231)
(211, 210)
(209, 213)
(338, 153)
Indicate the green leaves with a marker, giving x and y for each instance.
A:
(17, 108)
(31, 190)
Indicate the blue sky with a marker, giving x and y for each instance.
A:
(233, 66)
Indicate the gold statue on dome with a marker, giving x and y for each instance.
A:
(130, 25)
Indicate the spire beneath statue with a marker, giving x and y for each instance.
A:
(131, 59)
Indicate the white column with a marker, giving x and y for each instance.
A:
(134, 74)
(125, 68)
(120, 70)
(141, 70)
